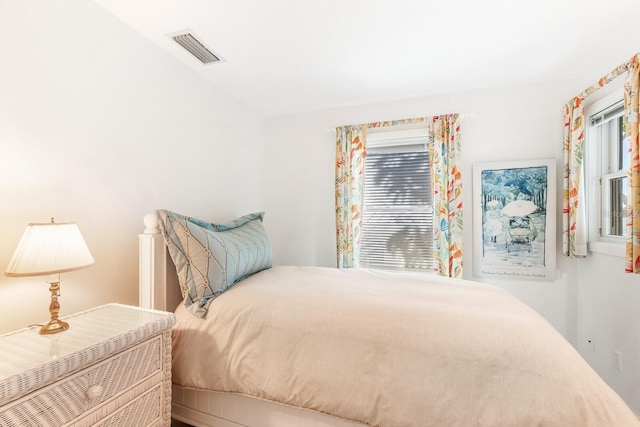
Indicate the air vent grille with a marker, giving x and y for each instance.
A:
(196, 48)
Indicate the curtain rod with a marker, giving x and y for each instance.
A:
(606, 79)
(400, 122)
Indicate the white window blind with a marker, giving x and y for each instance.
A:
(397, 223)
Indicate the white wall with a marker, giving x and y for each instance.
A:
(99, 126)
(608, 315)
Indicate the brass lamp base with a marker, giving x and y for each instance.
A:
(53, 327)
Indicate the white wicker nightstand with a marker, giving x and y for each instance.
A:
(111, 368)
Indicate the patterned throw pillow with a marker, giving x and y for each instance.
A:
(210, 258)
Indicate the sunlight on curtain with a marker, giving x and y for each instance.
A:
(574, 230)
(631, 101)
(350, 159)
(446, 178)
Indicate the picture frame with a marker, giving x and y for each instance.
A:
(514, 213)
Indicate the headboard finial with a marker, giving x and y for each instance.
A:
(158, 282)
(151, 223)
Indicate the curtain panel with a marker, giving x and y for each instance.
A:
(349, 182)
(446, 178)
(630, 120)
(574, 234)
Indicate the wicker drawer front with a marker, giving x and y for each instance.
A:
(141, 412)
(62, 402)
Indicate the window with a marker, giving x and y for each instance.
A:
(397, 231)
(607, 161)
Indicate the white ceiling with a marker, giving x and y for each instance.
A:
(290, 56)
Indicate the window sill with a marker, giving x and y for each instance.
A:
(609, 248)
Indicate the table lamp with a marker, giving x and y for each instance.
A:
(50, 248)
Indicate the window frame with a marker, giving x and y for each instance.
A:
(597, 175)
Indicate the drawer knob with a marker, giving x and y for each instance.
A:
(95, 391)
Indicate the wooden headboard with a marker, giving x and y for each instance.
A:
(158, 282)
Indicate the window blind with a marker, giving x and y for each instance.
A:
(397, 223)
(609, 113)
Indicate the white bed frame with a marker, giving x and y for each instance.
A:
(159, 289)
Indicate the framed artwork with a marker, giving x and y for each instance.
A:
(514, 210)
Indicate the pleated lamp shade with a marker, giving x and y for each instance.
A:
(49, 248)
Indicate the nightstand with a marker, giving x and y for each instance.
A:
(111, 368)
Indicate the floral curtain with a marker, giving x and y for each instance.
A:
(631, 101)
(350, 160)
(573, 222)
(446, 178)
(574, 234)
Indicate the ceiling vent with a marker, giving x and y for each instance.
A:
(196, 48)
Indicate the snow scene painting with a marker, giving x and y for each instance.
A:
(514, 208)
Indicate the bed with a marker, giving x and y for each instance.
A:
(313, 346)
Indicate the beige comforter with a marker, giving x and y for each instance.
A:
(391, 350)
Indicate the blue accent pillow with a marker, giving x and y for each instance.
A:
(211, 258)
